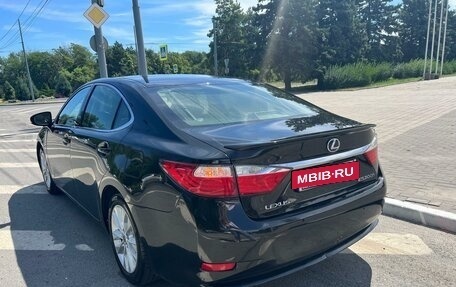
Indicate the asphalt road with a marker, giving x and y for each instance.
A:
(48, 241)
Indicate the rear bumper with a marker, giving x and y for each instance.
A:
(297, 266)
(267, 249)
(211, 231)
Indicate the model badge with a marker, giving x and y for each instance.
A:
(333, 145)
(276, 205)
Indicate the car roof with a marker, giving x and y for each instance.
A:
(169, 80)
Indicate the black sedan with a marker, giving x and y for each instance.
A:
(209, 181)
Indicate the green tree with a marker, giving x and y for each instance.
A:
(13, 69)
(230, 23)
(80, 76)
(63, 86)
(197, 61)
(82, 57)
(379, 18)
(121, 61)
(22, 89)
(63, 57)
(341, 40)
(289, 28)
(44, 69)
(153, 62)
(10, 93)
(450, 47)
(413, 29)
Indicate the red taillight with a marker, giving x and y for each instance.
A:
(372, 156)
(217, 267)
(219, 181)
(209, 181)
(257, 179)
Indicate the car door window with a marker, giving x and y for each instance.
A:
(102, 108)
(123, 116)
(72, 110)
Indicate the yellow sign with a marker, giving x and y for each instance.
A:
(96, 15)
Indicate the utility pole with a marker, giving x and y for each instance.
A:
(26, 62)
(444, 36)
(427, 40)
(214, 22)
(440, 37)
(433, 38)
(142, 61)
(136, 49)
(100, 49)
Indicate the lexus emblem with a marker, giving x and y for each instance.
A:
(333, 145)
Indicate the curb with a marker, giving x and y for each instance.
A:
(422, 215)
(33, 103)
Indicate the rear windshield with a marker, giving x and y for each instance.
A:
(215, 104)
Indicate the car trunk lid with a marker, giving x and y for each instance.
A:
(271, 154)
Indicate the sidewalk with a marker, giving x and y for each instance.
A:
(416, 126)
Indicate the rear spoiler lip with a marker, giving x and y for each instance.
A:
(354, 129)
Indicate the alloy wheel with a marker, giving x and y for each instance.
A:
(124, 238)
(45, 170)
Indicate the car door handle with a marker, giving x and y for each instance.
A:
(103, 148)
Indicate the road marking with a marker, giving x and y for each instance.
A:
(18, 165)
(32, 110)
(20, 189)
(28, 240)
(7, 150)
(16, 110)
(83, 247)
(18, 141)
(26, 135)
(391, 244)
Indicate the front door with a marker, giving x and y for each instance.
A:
(58, 141)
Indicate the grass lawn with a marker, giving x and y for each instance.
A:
(311, 86)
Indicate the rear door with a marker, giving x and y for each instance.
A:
(94, 143)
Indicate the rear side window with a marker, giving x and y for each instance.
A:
(198, 105)
(102, 108)
(123, 116)
(72, 110)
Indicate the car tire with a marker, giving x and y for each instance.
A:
(46, 173)
(129, 250)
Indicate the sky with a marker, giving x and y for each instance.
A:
(182, 24)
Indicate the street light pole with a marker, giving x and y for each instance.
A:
(214, 22)
(101, 53)
(141, 53)
(440, 37)
(433, 37)
(444, 36)
(427, 39)
(26, 62)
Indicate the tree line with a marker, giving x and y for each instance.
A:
(62, 70)
(299, 40)
(287, 40)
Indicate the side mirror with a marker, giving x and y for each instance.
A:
(43, 119)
